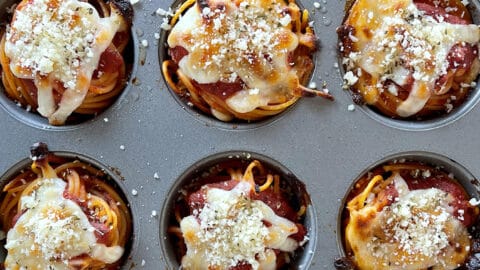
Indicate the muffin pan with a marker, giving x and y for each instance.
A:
(151, 141)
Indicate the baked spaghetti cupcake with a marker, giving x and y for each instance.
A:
(244, 60)
(239, 214)
(63, 213)
(66, 59)
(410, 59)
(406, 214)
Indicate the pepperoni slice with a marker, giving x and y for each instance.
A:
(220, 89)
(109, 62)
(461, 207)
(177, 53)
(457, 13)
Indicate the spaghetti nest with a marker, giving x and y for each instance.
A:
(97, 243)
(410, 214)
(413, 59)
(71, 82)
(196, 204)
(243, 60)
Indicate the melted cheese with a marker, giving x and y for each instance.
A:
(397, 33)
(231, 229)
(53, 230)
(55, 42)
(251, 40)
(417, 231)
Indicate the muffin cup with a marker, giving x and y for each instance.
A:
(433, 160)
(199, 172)
(111, 178)
(34, 119)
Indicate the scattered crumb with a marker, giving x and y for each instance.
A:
(133, 2)
(105, 119)
(154, 213)
(156, 35)
(426, 174)
(145, 43)
(143, 262)
(166, 21)
(163, 12)
(448, 107)
(122, 147)
(134, 192)
(156, 176)
(316, 4)
(312, 85)
(351, 108)
(350, 78)
(474, 202)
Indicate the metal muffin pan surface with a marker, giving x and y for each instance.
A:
(151, 141)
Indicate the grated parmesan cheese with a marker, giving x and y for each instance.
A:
(52, 231)
(417, 231)
(350, 78)
(474, 202)
(230, 229)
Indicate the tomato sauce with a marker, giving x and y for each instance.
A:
(220, 89)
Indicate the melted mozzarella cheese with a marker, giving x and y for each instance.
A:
(58, 41)
(417, 231)
(251, 40)
(53, 230)
(396, 32)
(231, 229)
